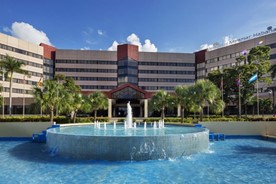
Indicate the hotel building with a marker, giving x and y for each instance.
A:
(123, 75)
(126, 74)
(226, 56)
(32, 56)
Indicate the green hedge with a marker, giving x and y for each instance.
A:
(25, 119)
(64, 120)
(58, 120)
(171, 120)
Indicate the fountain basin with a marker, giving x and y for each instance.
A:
(87, 142)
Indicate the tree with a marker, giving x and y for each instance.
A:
(74, 101)
(39, 98)
(48, 96)
(59, 78)
(265, 105)
(11, 66)
(96, 101)
(204, 92)
(182, 98)
(272, 71)
(257, 62)
(161, 100)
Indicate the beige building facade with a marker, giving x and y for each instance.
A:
(126, 74)
(123, 75)
(32, 56)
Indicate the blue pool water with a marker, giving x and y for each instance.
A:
(230, 161)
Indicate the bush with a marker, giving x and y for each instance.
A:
(25, 119)
(171, 120)
(58, 120)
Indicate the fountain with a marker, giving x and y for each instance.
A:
(127, 141)
(129, 116)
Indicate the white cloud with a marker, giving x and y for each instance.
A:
(149, 47)
(90, 42)
(88, 31)
(113, 47)
(28, 33)
(100, 32)
(226, 40)
(6, 29)
(206, 46)
(135, 40)
(85, 48)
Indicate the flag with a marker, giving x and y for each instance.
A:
(253, 78)
(40, 84)
(244, 52)
(238, 81)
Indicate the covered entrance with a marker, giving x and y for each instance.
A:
(119, 97)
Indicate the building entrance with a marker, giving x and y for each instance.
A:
(120, 107)
(119, 97)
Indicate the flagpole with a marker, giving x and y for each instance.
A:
(258, 97)
(222, 113)
(239, 97)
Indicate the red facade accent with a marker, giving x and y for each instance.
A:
(49, 51)
(200, 56)
(109, 94)
(127, 51)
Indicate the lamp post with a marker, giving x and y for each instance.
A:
(258, 104)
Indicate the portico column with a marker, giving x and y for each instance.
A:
(141, 111)
(145, 108)
(178, 110)
(109, 108)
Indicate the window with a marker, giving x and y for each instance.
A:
(166, 64)
(272, 56)
(20, 51)
(272, 46)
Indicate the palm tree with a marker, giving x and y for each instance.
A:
(48, 96)
(75, 100)
(161, 100)
(97, 101)
(182, 98)
(11, 66)
(58, 78)
(265, 105)
(207, 93)
(39, 98)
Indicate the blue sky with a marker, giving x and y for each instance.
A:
(167, 25)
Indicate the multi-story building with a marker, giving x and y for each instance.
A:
(224, 57)
(32, 56)
(123, 75)
(48, 61)
(126, 75)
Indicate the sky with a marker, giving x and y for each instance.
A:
(153, 25)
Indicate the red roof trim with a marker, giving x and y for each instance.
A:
(109, 94)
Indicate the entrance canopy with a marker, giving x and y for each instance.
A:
(128, 91)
